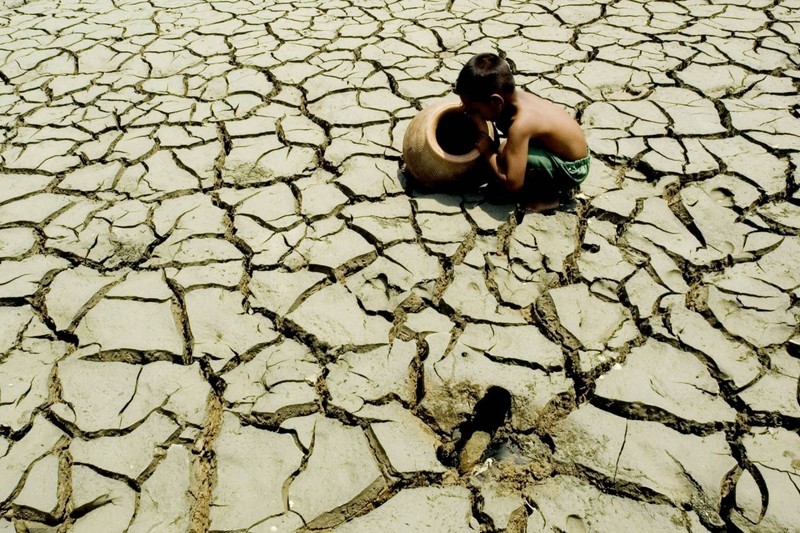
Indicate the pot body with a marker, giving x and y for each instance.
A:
(439, 144)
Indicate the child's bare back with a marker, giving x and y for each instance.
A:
(547, 125)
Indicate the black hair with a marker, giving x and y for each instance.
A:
(484, 75)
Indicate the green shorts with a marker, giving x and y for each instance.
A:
(547, 170)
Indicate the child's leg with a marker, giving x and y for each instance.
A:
(541, 191)
(553, 181)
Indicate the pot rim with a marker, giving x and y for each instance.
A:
(430, 134)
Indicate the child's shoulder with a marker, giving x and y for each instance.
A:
(531, 103)
(528, 113)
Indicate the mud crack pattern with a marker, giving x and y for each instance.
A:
(222, 307)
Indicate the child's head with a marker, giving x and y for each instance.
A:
(484, 75)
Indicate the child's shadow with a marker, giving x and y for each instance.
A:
(476, 191)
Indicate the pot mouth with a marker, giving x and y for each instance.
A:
(442, 126)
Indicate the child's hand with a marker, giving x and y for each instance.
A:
(484, 144)
(476, 119)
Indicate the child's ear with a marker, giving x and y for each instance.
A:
(497, 102)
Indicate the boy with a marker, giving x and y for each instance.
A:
(545, 155)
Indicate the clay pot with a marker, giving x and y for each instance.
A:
(439, 144)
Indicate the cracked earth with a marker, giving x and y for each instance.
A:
(223, 308)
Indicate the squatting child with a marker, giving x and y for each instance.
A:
(544, 157)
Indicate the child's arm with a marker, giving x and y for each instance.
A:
(488, 147)
(513, 158)
(509, 162)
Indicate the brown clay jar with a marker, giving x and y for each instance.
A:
(439, 144)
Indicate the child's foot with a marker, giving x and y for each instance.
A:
(495, 195)
(541, 205)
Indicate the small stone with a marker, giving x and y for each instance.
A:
(473, 451)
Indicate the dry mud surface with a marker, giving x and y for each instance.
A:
(222, 308)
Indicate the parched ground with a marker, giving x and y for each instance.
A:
(223, 308)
